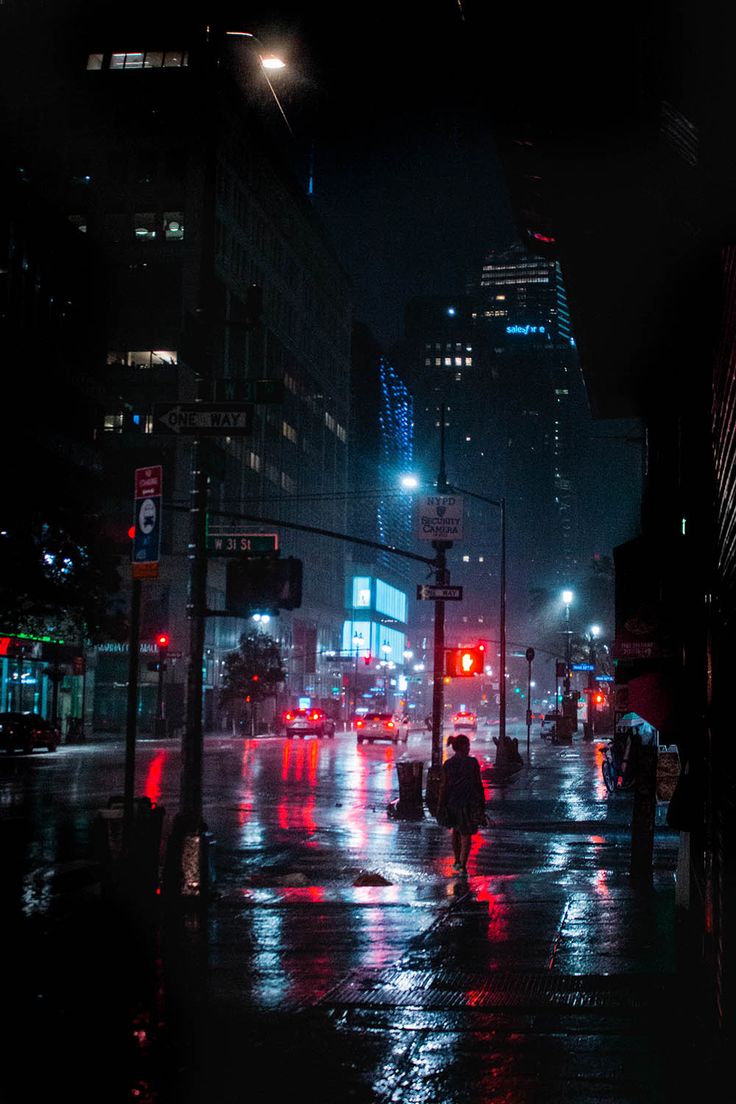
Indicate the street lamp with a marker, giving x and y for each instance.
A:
(269, 63)
(410, 482)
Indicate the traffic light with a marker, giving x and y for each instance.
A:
(465, 662)
(162, 640)
(598, 697)
(263, 584)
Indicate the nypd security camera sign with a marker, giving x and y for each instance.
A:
(439, 517)
(147, 536)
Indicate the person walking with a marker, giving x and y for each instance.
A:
(461, 800)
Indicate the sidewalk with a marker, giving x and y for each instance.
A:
(367, 972)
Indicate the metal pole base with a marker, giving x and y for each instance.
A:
(187, 879)
(432, 792)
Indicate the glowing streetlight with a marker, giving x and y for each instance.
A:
(270, 63)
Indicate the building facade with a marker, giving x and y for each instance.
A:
(218, 276)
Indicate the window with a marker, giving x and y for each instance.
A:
(113, 423)
(361, 591)
(173, 226)
(145, 226)
(288, 431)
(136, 59)
(80, 222)
(143, 358)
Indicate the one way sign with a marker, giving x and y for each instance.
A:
(440, 593)
(223, 419)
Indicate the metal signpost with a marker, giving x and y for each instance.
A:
(148, 485)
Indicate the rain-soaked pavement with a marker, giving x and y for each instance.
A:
(339, 958)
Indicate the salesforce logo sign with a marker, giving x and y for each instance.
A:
(525, 330)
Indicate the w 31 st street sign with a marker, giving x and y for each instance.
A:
(193, 419)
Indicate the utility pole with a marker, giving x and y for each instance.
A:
(529, 658)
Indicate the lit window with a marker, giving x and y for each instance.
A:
(466, 559)
(154, 60)
(145, 226)
(113, 423)
(173, 226)
(94, 61)
(80, 222)
(288, 431)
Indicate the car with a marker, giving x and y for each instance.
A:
(382, 726)
(548, 725)
(26, 732)
(465, 718)
(308, 722)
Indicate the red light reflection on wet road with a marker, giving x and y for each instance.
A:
(152, 785)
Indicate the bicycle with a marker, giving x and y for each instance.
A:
(618, 768)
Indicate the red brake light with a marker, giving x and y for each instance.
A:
(358, 724)
(288, 716)
(390, 724)
(315, 715)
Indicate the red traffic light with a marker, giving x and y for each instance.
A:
(598, 698)
(162, 640)
(464, 662)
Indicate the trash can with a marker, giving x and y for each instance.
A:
(130, 867)
(410, 783)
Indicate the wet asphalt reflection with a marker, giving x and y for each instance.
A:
(338, 944)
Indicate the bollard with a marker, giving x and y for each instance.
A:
(410, 802)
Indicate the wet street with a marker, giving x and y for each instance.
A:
(340, 958)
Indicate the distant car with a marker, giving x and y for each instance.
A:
(548, 725)
(465, 718)
(308, 722)
(26, 732)
(382, 726)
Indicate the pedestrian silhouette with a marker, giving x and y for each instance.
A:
(461, 800)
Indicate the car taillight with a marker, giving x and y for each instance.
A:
(288, 716)
(358, 724)
(315, 716)
(390, 724)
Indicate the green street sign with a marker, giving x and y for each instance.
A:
(242, 544)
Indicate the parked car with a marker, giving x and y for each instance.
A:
(465, 718)
(382, 726)
(26, 732)
(308, 722)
